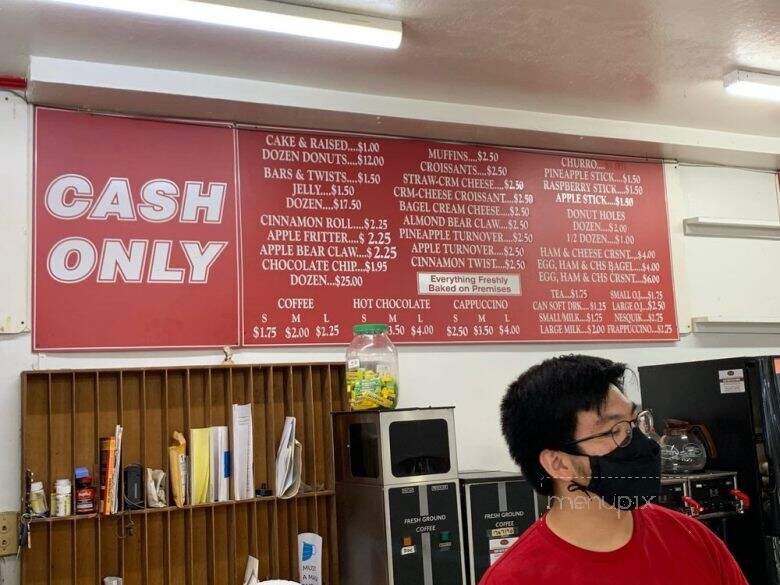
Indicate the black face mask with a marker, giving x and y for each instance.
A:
(626, 477)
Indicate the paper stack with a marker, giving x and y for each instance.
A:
(289, 459)
(200, 449)
(219, 472)
(117, 470)
(243, 453)
(252, 570)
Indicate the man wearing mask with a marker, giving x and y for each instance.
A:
(579, 440)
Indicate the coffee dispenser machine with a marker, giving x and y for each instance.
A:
(397, 497)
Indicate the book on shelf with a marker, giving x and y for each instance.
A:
(200, 440)
(107, 458)
(110, 471)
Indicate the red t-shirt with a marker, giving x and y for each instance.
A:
(666, 547)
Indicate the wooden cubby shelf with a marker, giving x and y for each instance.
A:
(64, 414)
(318, 494)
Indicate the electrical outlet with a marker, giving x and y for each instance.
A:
(9, 533)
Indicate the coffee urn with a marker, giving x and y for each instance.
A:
(397, 497)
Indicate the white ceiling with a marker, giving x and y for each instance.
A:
(657, 61)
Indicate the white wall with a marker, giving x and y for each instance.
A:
(732, 276)
(715, 276)
(15, 203)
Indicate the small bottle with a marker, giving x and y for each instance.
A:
(38, 499)
(62, 498)
(85, 493)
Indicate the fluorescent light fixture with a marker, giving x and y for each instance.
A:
(266, 16)
(752, 84)
(735, 324)
(716, 227)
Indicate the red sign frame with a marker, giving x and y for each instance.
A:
(90, 171)
(612, 212)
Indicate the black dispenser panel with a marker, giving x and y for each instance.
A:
(425, 534)
(498, 508)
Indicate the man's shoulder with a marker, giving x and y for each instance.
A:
(656, 513)
(514, 563)
(690, 538)
(666, 519)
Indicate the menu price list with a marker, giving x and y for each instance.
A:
(448, 242)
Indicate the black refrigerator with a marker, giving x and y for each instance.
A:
(738, 399)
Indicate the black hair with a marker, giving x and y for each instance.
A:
(539, 409)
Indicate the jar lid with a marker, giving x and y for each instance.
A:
(36, 486)
(369, 329)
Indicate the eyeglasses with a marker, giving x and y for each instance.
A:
(623, 431)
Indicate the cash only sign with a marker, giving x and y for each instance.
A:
(135, 233)
(166, 234)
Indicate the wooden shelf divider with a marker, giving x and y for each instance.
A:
(64, 414)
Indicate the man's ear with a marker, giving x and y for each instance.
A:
(557, 464)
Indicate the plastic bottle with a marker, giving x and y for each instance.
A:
(85, 492)
(61, 506)
(372, 369)
(38, 499)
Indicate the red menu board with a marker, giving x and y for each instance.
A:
(448, 242)
(135, 233)
(155, 234)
